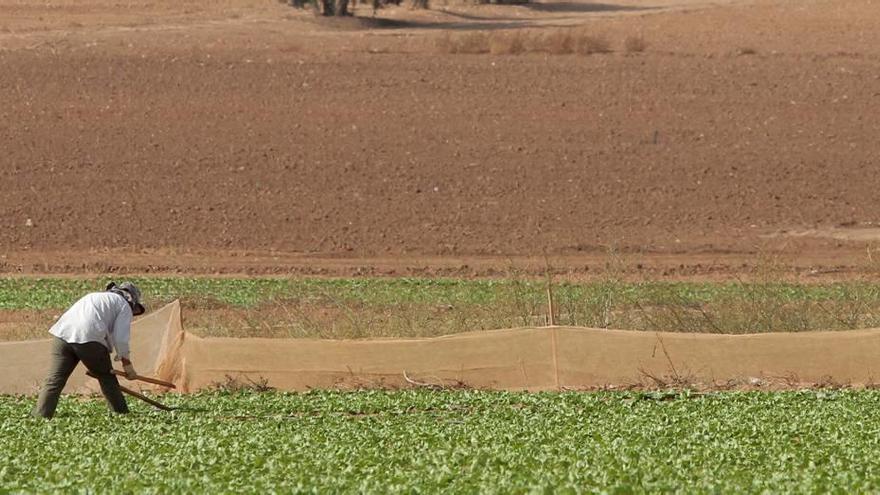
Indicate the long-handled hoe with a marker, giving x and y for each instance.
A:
(139, 395)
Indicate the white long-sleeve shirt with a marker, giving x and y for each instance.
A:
(102, 317)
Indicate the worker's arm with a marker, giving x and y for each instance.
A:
(130, 373)
(121, 335)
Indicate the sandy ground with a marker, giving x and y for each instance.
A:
(247, 137)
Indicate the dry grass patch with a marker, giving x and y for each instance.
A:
(507, 44)
(635, 44)
(569, 41)
(585, 44)
(554, 42)
(363, 307)
(468, 43)
(557, 43)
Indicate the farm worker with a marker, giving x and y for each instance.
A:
(94, 326)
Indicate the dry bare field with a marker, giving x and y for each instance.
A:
(248, 137)
(686, 165)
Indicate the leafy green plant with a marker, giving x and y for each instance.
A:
(450, 441)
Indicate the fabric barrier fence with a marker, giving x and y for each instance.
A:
(551, 358)
(23, 365)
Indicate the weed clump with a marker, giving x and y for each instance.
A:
(468, 43)
(507, 44)
(232, 384)
(556, 42)
(766, 301)
(635, 44)
(585, 44)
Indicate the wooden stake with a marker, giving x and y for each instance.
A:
(550, 309)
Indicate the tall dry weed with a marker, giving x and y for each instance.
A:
(586, 44)
(443, 43)
(554, 42)
(764, 301)
(559, 42)
(635, 44)
(473, 43)
(467, 43)
(506, 43)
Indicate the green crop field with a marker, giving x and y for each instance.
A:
(451, 442)
(57, 293)
(412, 307)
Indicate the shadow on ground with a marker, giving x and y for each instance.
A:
(580, 7)
(472, 21)
(354, 23)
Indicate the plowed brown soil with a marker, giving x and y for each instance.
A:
(200, 137)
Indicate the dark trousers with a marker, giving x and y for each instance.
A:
(65, 357)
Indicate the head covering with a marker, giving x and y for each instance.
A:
(131, 293)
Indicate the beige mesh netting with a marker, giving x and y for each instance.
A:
(512, 359)
(23, 365)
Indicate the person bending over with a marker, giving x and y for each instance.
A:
(94, 326)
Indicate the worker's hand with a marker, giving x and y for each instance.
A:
(130, 373)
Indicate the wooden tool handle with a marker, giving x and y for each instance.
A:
(145, 399)
(154, 381)
(138, 395)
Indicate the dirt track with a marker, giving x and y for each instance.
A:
(171, 133)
